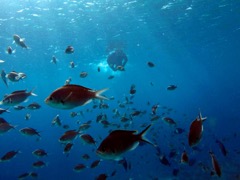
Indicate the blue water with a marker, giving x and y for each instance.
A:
(193, 44)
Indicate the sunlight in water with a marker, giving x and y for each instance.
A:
(103, 66)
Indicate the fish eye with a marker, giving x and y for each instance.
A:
(51, 98)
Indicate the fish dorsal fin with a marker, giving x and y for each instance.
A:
(75, 86)
(87, 102)
(20, 91)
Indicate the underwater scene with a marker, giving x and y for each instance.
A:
(119, 89)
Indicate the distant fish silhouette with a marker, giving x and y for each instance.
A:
(222, 147)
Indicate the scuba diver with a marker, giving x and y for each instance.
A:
(117, 60)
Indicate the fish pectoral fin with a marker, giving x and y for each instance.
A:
(17, 78)
(134, 146)
(22, 39)
(87, 102)
(66, 98)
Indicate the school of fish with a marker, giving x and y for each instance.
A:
(120, 138)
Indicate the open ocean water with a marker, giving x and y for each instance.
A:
(193, 44)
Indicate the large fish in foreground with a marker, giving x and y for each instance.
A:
(196, 130)
(71, 96)
(119, 142)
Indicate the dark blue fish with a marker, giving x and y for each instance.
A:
(150, 64)
(164, 161)
(179, 131)
(9, 50)
(171, 87)
(172, 153)
(23, 176)
(154, 109)
(132, 89)
(99, 118)
(3, 76)
(69, 50)
(222, 147)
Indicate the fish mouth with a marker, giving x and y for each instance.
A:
(46, 100)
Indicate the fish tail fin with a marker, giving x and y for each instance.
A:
(79, 131)
(99, 96)
(142, 136)
(200, 116)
